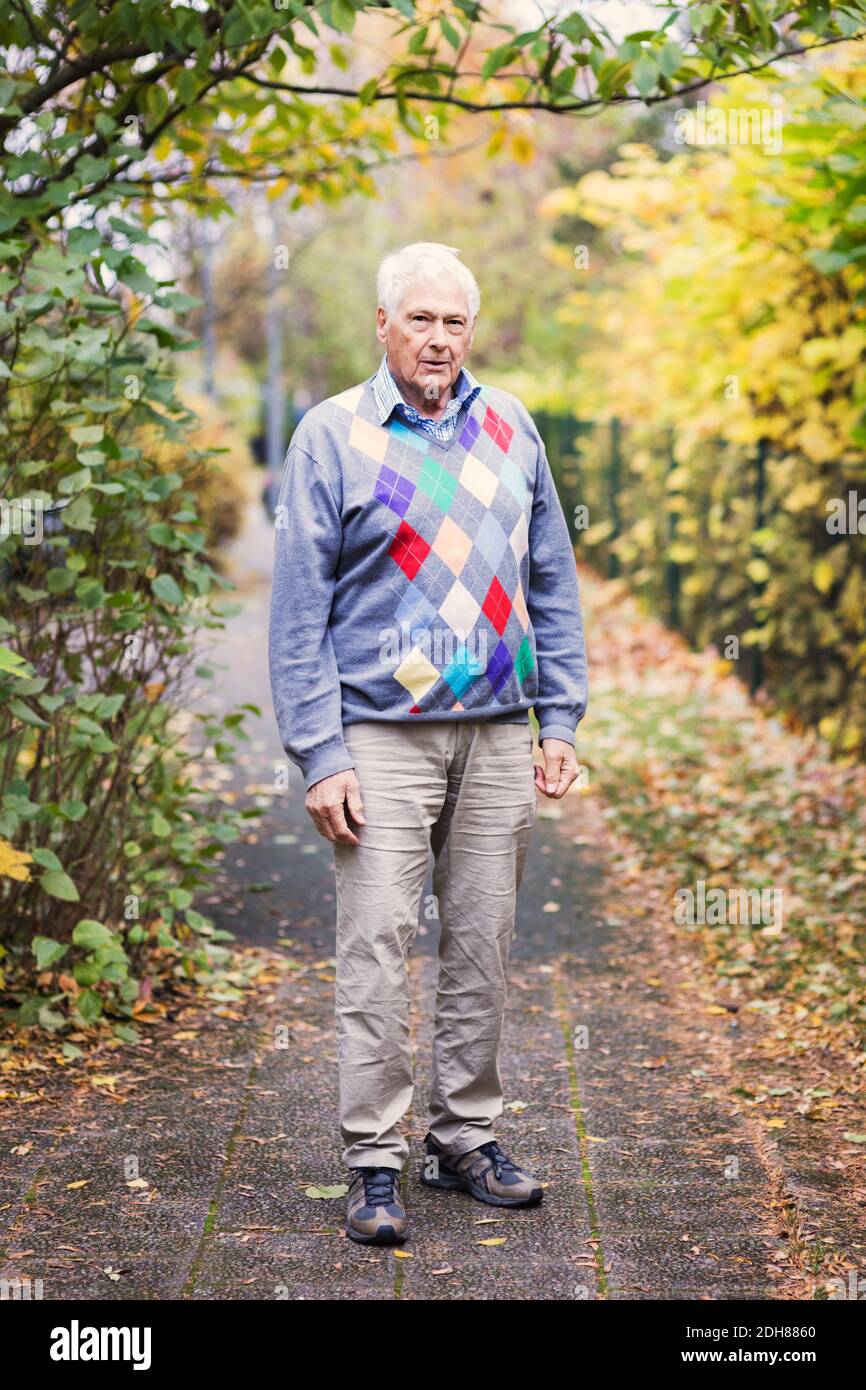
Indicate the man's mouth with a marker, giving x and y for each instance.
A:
(426, 362)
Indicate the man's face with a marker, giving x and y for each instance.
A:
(427, 339)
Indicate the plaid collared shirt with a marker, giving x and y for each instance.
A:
(388, 399)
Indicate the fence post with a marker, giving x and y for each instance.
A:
(672, 569)
(614, 476)
(756, 656)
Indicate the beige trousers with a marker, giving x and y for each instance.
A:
(463, 788)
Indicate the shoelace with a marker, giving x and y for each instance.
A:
(500, 1160)
(379, 1185)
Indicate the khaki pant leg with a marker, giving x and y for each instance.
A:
(480, 844)
(402, 773)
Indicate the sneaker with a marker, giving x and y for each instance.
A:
(375, 1215)
(486, 1172)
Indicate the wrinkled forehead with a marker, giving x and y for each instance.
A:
(443, 295)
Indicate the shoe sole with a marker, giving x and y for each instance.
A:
(385, 1235)
(454, 1184)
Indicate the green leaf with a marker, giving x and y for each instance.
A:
(342, 16)
(59, 580)
(47, 859)
(418, 39)
(78, 516)
(126, 1033)
(88, 1006)
(12, 664)
(90, 934)
(47, 951)
(21, 711)
(670, 58)
(645, 74)
(166, 589)
(450, 32)
(498, 58)
(88, 726)
(87, 434)
(51, 1020)
(59, 885)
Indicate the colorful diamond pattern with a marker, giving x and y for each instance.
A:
(460, 535)
(395, 491)
(409, 550)
(439, 485)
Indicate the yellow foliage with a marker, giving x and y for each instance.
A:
(522, 148)
(13, 863)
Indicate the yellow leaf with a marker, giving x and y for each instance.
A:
(816, 441)
(776, 1124)
(522, 148)
(823, 576)
(82, 1182)
(403, 1255)
(13, 861)
(492, 1240)
(495, 143)
(804, 496)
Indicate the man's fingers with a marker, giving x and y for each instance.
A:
(355, 804)
(552, 770)
(337, 819)
(322, 824)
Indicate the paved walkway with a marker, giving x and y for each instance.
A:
(188, 1174)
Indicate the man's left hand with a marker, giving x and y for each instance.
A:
(560, 768)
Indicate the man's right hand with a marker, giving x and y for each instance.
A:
(326, 802)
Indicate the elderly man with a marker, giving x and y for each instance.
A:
(425, 596)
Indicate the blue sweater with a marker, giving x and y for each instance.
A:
(416, 579)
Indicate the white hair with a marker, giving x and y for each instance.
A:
(423, 260)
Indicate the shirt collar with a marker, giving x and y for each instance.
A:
(389, 397)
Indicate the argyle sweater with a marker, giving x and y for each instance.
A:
(419, 580)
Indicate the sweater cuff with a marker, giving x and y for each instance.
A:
(325, 760)
(555, 724)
